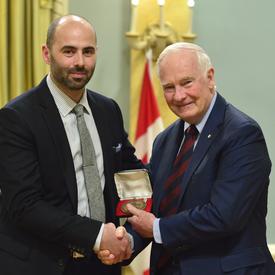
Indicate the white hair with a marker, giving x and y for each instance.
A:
(203, 59)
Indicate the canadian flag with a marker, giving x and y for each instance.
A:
(149, 124)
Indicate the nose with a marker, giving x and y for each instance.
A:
(79, 59)
(179, 93)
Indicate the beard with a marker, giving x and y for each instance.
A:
(64, 79)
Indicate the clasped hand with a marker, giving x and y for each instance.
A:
(118, 248)
(115, 243)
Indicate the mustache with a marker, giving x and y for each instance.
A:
(78, 70)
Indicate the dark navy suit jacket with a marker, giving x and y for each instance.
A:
(38, 223)
(220, 225)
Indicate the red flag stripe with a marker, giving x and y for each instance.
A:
(148, 109)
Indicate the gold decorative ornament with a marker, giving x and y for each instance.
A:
(157, 36)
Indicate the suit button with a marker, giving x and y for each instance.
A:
(60, 262)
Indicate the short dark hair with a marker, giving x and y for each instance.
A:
(55, 23)
(51, 31)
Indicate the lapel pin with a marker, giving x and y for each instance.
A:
(209, 136)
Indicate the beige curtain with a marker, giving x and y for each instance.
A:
(23, 27)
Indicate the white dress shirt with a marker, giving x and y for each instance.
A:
(65, 106)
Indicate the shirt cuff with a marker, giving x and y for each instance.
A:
(96, 247)
(132, 242)
(156, 231)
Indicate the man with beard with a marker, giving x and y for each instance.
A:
(47, 224)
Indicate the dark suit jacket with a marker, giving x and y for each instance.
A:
(39, 225)
(220, 226)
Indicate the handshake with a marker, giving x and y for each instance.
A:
(116, 244)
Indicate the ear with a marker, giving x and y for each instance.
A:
(46, 54)
(210, 78)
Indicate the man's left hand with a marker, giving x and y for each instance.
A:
(141, 221)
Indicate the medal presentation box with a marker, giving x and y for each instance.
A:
(134, 187)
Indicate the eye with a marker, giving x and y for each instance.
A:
(68, 52)
(88, 52)
(187, 83)
(169, 89)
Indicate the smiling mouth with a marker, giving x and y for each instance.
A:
(78, 74)
(184, 105)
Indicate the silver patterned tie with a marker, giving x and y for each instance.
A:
(90, 170)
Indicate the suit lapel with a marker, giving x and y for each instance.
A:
(62, 147)
(207, 137)
(168, 156)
